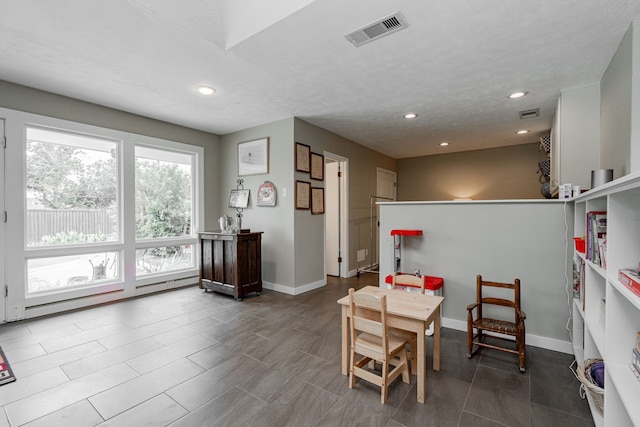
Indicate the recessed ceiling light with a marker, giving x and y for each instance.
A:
(516, 95)
(444, 144)
(205, 90)
(410, 116)
(522, 132)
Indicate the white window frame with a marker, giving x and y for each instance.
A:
(20, 306)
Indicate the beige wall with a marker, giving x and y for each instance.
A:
(492, 174)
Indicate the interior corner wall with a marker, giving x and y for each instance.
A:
(276, 223)
(362, 174)
(35, 101)
(616, 108)
(491, 174)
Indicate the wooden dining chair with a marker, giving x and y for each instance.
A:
(412, 338)
(505, 330)
(370, 338)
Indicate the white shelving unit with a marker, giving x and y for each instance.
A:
(614, 340)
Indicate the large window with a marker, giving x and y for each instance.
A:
(71, 200)
(164, 210)
(96, 214)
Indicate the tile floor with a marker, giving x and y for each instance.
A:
(190, 358)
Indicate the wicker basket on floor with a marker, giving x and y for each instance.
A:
(583, 373)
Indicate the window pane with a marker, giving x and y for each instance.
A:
(72, 191)
(62, 273)
(164, 259)
(163, 193)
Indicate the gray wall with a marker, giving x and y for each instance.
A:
(277, 223)
(363, 164)
(30, 100)
(499, 240)
(293, 240)
(497, 173)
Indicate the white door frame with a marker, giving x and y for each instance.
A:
(343, 214)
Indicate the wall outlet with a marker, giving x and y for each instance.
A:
(361, 255)
(284, 192)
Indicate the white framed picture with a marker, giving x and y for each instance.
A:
(253, 157)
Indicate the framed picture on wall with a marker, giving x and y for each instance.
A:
(303, 195)
(267, 194)
(317, 201)
(303, 157)
(253, 157)
(317, 166)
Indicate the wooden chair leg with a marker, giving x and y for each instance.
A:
(405, 372)
(384, 384)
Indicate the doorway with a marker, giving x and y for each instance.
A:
(336, 222)
(385, 192)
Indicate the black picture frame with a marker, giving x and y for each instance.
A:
(303, 157)
(317, 167)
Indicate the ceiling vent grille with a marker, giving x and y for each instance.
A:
(375, 30)
(529, 114)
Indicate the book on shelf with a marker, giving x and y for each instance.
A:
(635, 371)
(635, 359)
(596, 236)
(631, 279)
(578, 278)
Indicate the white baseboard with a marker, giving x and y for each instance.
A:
(294, 291)
(533, 340)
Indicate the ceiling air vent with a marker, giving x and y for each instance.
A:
(375, 30)
(529, 114)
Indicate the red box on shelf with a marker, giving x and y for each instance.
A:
(631, 280)
(580, 244)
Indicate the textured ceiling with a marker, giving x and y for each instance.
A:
(454, 65)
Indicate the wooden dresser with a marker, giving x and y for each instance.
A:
(231, 263)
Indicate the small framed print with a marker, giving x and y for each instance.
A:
(303, 195)
(267, 194)
(317, 166)
(317, 201)
(303, 157)
(253, 157)
(239, 199)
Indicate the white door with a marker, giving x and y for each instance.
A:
(336, 215)
(385, 192)
(3, 240)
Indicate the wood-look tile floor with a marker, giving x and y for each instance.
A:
(190, 358)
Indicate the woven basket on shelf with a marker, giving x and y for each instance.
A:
(584, 375)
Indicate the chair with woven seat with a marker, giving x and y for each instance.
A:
(417, 282)
(498, 328)
(370, 338)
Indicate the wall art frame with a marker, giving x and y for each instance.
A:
(267, 194)
(317, 200)
(303, 195)
(253, 157)
(303, 157)
(317, 167)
